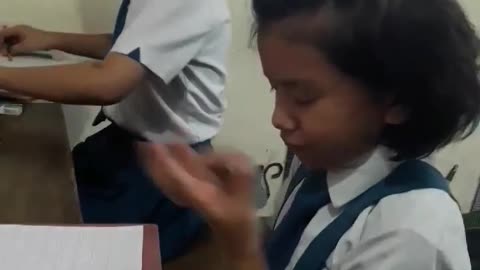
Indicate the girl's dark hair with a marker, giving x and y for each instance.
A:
(422, 53)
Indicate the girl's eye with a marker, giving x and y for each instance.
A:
(304, 98)
(304, 101)
(298, 94)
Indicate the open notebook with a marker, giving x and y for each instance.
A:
(79, 248)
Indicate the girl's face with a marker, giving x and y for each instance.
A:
(327, 119)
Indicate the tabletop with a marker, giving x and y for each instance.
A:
(36, 172)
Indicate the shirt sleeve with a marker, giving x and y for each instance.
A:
(164, 36)
(399, 251)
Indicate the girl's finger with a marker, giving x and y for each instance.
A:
(155, 168)
(237, 173)
(193, 163)
(168, 173)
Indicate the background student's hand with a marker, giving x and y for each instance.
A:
(24, 39)
(218, 186)
(15, 97)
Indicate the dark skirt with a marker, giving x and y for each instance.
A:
(113, 189)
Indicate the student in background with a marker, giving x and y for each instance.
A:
(364, 89)
(160, 78)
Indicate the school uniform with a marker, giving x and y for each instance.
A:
(183, 46)
(381, 215)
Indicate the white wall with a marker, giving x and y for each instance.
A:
(247, 122)
(472, 7)
(247, 125)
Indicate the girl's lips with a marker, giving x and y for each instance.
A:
(293, 145)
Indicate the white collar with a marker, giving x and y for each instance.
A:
(346, 185)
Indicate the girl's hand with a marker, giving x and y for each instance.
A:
(24, 39)
(218, 186)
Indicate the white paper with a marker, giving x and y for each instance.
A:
(70, 248)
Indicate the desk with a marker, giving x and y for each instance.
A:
(205, 256)
(36, 172)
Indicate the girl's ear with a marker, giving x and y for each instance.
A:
(396, 115)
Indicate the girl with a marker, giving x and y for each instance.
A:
(364, 89)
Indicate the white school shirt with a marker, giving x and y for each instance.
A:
(417, 230)
(183, 44)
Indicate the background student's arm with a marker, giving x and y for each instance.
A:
(90, 45)
(89, 83)
(25, 39)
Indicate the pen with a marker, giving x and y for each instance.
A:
(9, 52)
(8, 47)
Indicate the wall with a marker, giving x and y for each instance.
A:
(247, 120)
(472, 7)
(61, 15)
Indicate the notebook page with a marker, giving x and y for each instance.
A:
(71, 248)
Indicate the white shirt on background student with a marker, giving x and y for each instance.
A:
(184, 46)
(417, 230)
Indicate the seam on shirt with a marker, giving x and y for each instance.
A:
(401, 231)
(395, 234)
(373, 207)
(370, 210)
(426, 240)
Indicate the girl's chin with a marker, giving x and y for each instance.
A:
(309, 161)
(315, 162)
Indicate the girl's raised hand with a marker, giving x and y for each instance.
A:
(218, 186)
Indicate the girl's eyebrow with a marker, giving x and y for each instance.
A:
(292, 83)
(285, 84)
(286, 81)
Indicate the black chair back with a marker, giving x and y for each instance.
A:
(472, 226)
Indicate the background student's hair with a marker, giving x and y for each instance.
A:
(421, 54)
